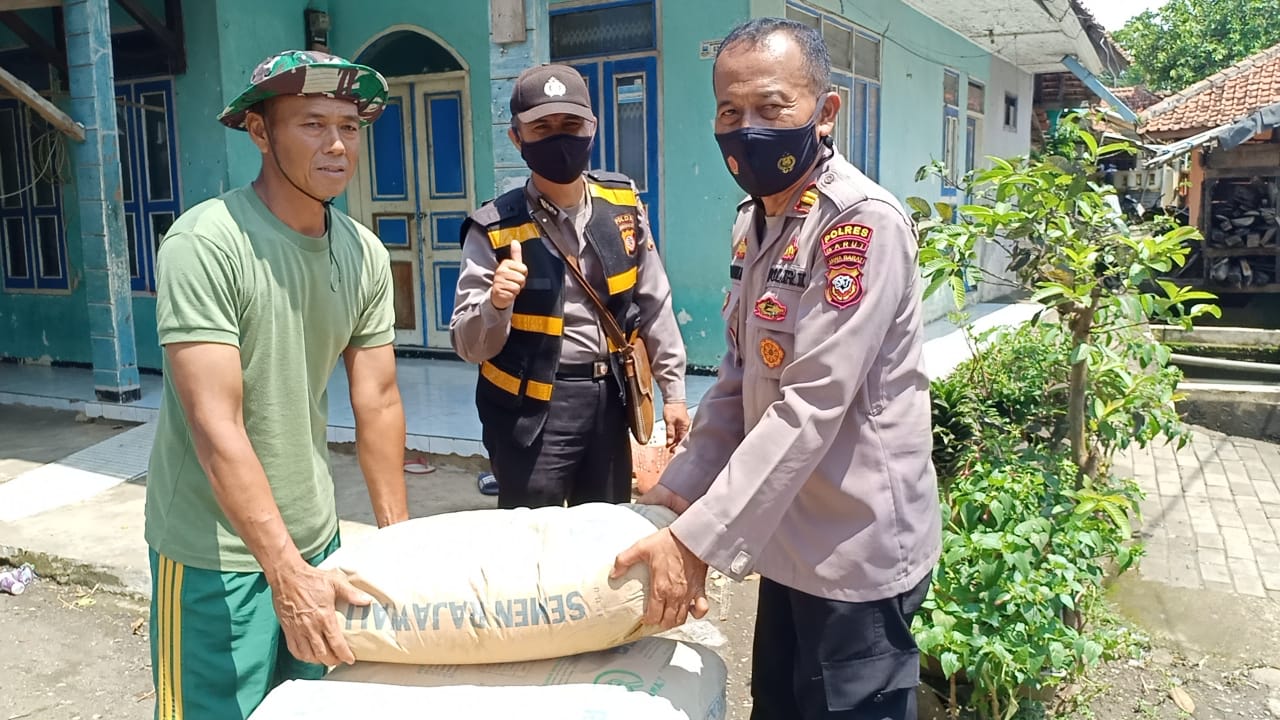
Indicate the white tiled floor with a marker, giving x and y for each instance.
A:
(438, 394)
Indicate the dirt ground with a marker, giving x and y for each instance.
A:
(71, 654)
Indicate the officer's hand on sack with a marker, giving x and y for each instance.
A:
(305, 600)
(509, 278)
(659, 495)
(677, 579)
(676, 417)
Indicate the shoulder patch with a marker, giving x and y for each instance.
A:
(844, 287)
(846, 244)
(845, 247)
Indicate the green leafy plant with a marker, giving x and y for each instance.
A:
(1025, 551)
(1073, 252)
(1034, 519)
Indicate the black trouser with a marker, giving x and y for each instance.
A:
(583, 454)
(815, 658)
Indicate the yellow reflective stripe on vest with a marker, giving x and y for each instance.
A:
(502, 237)
(544, 324)
(616, 196)
(511, 383)
(622, 282)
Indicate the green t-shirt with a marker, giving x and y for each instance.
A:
(231, 272)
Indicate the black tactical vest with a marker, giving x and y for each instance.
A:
(515, 386)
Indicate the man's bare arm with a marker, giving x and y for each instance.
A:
(210, 386)
(379, 415)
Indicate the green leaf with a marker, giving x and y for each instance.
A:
(958, 292)
(1051, 290)
(1090, 141)
(920, 207)
(1118, 147)
(1081, 352)
(950, 662)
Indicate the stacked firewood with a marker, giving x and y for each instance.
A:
(1244, 215)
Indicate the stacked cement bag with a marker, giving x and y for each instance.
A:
(652, 679)
(498, 586)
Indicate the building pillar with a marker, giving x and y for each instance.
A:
(98, 184)
(506, 61)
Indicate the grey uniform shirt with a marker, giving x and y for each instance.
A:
(809, 459)
(478, 330)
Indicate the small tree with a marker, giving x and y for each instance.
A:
(1073, 252)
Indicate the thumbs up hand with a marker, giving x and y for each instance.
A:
(509, 278)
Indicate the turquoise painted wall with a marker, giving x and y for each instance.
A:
(698, 192)
(915, 50)
(699, 195)
(54, 326)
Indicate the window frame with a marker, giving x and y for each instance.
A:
(141, 211)
(1011, 101)
(951, 135)
(573, 9)
(28, 215)
(975, 122)
(859, 151)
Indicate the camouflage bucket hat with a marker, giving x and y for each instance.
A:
(298, 72)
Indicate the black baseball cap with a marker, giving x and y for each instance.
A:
(550, 89)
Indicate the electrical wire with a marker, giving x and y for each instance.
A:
(51, 145)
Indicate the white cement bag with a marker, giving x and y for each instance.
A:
(690, 679)
(494, 586)
(320, 700)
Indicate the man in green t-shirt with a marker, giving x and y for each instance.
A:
(259, 292)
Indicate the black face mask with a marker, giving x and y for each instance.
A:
(766, 161)
(559, 158)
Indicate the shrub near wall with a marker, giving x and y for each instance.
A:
(1025, 432)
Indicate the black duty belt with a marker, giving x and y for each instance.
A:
(583, 371)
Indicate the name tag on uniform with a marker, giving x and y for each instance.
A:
(787, 274)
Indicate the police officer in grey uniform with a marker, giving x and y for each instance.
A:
(550, 399)
(809, 460)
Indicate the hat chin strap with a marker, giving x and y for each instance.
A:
(299, 188)
(326, 204)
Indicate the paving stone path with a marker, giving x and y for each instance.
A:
(1211, 518)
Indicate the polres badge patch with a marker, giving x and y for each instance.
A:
(844, 286)
(740, 250)
(845, 249)
(626, 223)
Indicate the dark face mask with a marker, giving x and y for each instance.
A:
(559, 158)
(766, 161)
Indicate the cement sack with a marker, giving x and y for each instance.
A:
(688, 679)
(495, 586)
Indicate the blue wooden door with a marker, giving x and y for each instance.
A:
(624, 94)
(414, 191)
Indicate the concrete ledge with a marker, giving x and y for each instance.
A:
(1240, 409)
